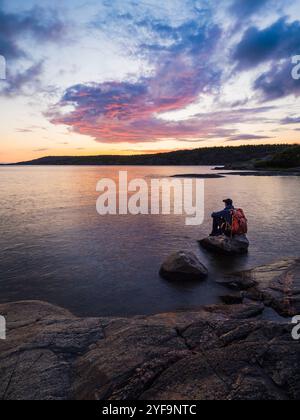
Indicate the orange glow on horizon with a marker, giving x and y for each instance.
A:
(21, 155)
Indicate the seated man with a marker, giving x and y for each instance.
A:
(222, 218)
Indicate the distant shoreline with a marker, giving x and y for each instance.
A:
(238, 173)
(231, 157)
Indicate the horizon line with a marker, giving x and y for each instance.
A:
(149, 154)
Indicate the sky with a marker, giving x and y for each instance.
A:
(86, 77)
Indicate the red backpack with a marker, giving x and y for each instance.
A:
(239, 222)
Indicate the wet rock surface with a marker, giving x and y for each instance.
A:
(183, 265)
(218, 352)
(199, 176)
(232, 299)
(237, 245)
(276, 285)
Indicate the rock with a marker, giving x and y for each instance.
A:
(232, 362)
(199, 176)
(238, 312)
(239, 244)
(35, 360)
(232, 299)
(183, 265)
(276, 285)
(295, 172)
(214, 353)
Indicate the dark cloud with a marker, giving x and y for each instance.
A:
(247, 137)
(39, 24)
(191, 37)
(290, 120)
(23, 71)
(276, 45)
(22, 82)
(277, 83)
(278, 41)
(244, 8)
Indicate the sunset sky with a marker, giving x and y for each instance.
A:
(126, 76)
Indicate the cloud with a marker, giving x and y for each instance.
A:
(129, 111)
(242, 8)
(183, 55)
(38, 23)
(274, 45)
(24, 130)
(278, 41)
(247, 137)
(290, 120)
(41, 150)
(17, 30)
(277, 83)
(22, 82)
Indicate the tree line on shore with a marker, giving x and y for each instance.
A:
(259, 156)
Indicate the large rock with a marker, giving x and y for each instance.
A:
(277, 285)
(183, 265)
(35, 360)
(219, 352)
(239, 244)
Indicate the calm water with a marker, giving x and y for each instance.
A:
(55, 247)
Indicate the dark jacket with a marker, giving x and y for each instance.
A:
(224, 214)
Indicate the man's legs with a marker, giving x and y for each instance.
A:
(217, 222)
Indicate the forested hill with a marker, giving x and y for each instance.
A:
(204, 156)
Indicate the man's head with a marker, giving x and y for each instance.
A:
(228, 202)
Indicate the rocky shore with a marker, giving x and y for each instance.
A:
(223, 352)
(276, 285)
(262, 173)
(240, 172)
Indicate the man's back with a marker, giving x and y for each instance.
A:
(224, 214)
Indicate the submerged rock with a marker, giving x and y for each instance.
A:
(216, 353)
(276, 285)
(183, 265)
(239, 244)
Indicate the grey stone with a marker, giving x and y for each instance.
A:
(239, 244)
(183, 265)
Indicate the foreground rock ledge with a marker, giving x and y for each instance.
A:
(239, 244)
(276, 285)
(219, 352)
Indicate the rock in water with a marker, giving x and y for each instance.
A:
(183, 265)
(276, 285)
(239, 244)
